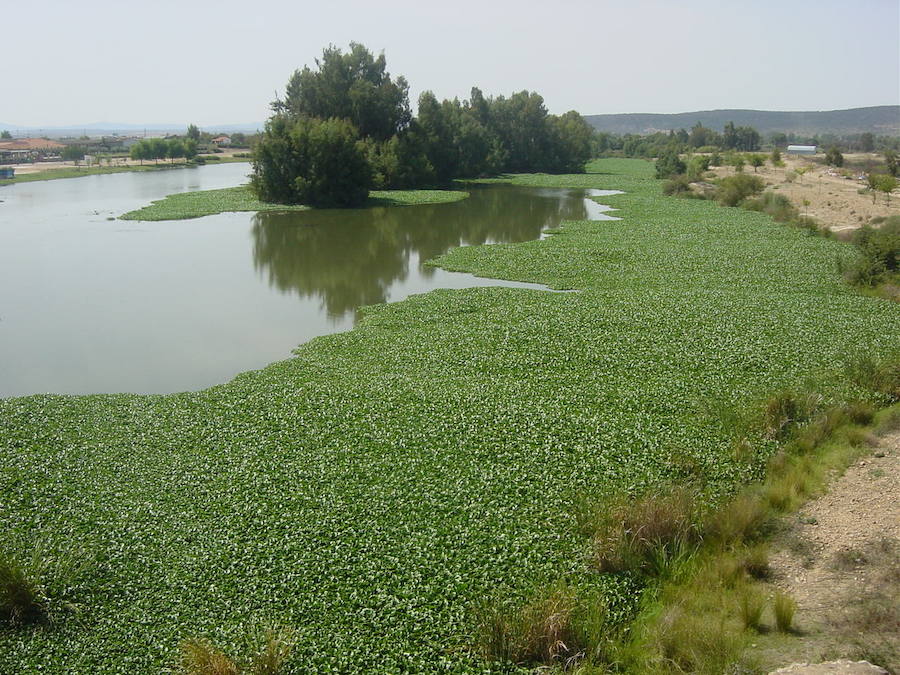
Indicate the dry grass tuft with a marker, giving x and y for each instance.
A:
(647, 534)
(199, 657)
(542, 632)
(751, 605)
(275, 652)
(21, 599)
(743, 519)
(784, 608)
(690, 642)
(787, 409)
(755, 562)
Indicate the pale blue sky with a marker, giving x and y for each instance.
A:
(220, 61)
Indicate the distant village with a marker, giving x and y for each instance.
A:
(90, 149)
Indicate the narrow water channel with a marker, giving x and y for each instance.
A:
(89, 304)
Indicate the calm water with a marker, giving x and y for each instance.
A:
(91, 305)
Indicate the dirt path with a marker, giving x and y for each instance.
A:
(840, 560)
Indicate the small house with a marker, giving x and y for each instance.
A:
(802, 149)
(222, 141)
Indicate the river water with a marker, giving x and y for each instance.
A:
(91, 304)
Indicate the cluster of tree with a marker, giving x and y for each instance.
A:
(741, 139)
(346, 127)
(161, 148)
(203, 139)
(704, 139)
(864, 142)
(72, 153)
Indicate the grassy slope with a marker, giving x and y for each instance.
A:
(208, 202)
(368, 491)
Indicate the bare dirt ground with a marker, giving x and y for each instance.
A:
(839, 558)
(40, 167)
(833, 199)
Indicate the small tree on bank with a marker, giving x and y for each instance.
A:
(890, 161)
(834, 157)
(775, 157)
(884, 183)
(756, 161)
(72, 153)
(669, 164)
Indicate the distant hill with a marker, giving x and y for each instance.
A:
(882, 120)
(111, 128)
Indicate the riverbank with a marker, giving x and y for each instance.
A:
(377, 489)
(837, 198)
(26, 173)
(186, 205)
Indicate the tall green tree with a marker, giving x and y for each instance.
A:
(5, 135)
(572, 137)
(193, 132)
(139, 151)
(174, 149)
(157, 149)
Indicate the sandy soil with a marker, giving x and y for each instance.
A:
(40, 167)
(840, 560)
(833, 199)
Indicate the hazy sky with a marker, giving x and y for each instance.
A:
(221, 61)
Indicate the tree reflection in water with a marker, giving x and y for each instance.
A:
(351, 257)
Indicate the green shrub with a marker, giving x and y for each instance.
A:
(879, 375)
(776, 205)
(833, 157)
(861, 412)
(881, 245)
(697, 166)
(677, 185)
(735, 189)
(669, 164)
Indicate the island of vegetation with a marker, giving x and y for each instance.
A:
(346, 128)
